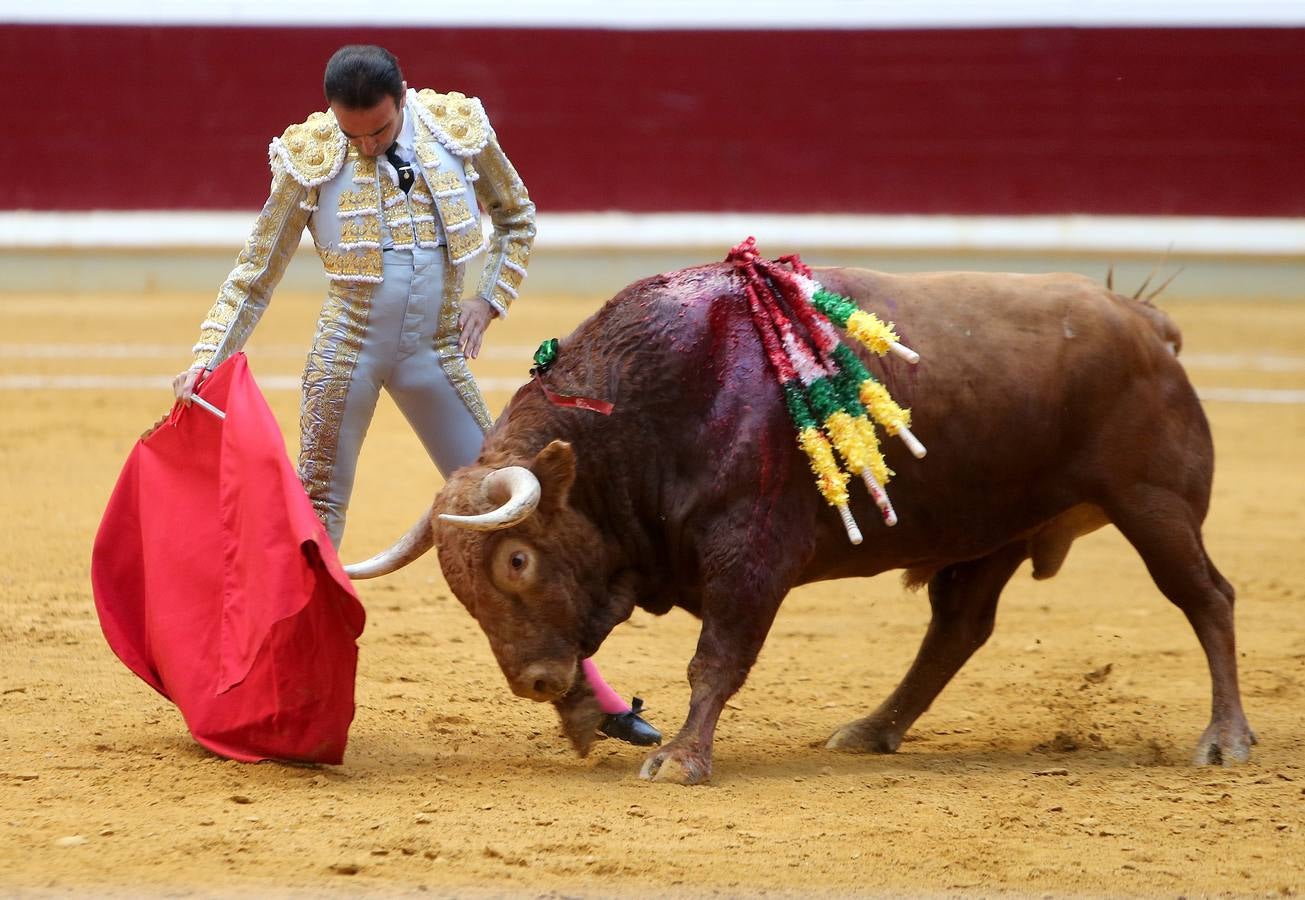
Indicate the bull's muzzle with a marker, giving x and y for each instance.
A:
(546, 680)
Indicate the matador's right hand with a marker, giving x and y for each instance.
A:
(183, 386)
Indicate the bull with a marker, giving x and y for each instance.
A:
(1051, 407)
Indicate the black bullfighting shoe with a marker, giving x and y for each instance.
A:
(631, 727)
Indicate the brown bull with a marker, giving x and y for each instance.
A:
(1050, 407)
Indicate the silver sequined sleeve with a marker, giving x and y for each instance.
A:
(259, 267)
(504, 197)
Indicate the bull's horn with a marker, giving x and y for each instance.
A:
(419, 539)
(523, 496)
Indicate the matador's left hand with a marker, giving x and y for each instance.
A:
(473, 320)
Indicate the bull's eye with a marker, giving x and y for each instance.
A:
(514, 565)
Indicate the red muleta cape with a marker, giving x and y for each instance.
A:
(216, 583)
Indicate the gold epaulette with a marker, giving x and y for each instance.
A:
(312, 151)
(457, 121)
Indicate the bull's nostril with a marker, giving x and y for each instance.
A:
(541, 687)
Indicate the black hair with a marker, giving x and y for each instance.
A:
(359, 76)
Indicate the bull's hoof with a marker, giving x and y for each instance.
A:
(864, 736)
(1225, 744)
(674, 766)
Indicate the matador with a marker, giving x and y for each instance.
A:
(390, 183)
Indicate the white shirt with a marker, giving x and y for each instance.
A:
(406, 149)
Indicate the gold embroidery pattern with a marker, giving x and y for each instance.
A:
(363, 200)
(390, 193)
(456, 120)
(451, 359)
(401, 231)
(423, 219)
(426, 155)
(506, 201)
(461, 224)
(463, 244)
(445, 184)
(512, 273)
(312, 151)
(352, 265)
(518, 254)
(341, 328)
(470, 171)
(364, 167)
(259, 266)
(360, 231)
(454, 212)
(422, 207)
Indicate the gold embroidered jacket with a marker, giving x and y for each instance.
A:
(320, 181)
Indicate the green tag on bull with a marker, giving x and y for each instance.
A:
(545, 356)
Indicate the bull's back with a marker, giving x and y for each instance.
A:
(1035, 394)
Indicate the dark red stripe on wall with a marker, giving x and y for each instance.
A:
(998, 121)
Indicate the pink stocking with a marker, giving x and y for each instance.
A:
(609, 701)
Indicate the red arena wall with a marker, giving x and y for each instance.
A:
(1158, 121)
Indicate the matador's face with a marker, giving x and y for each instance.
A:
(374, 129)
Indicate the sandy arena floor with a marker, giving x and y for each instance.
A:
(1056, 764)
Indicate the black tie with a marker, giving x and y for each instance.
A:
(404, 169)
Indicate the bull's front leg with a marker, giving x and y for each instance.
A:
(729, 643)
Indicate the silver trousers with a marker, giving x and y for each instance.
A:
(395, 349)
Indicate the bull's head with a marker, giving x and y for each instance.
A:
(529, 567)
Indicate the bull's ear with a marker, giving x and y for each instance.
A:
(555, 469)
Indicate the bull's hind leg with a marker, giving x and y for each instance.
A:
(964, 602)
(1165, 530)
